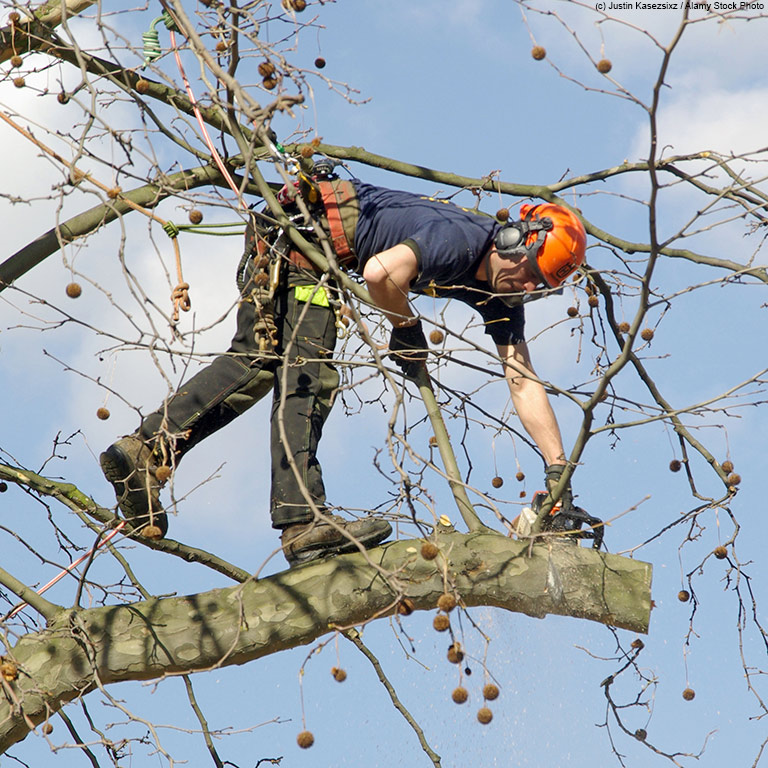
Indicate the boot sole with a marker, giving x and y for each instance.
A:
(134, 504)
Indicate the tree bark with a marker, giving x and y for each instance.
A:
(83, 649)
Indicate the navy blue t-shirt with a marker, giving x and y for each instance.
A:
(449, 241)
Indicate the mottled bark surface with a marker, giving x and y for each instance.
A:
(145, 640)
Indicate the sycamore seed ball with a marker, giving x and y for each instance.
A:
(14, 17)
(3, 487)
(520, 476)
(266, 68)
(47, 729)
(441, 623)
(460, 695)
(269, 83)
(689, 694)
(195, 216)
(305, 739)
(646, 334)
(727, 466)
(429, 550)
(221, 46)
(320, 62)
(152, 532)
(62, 97)
(113, 193)
(675, 465)
(484, 715)
(721, 552)
(162, 473)
(74, 290)
(16, 61)
(405, 607)
(142, 86)
(624, 327)
(593, 301)
(604, 66)
(432, 441)
(502, 214)
(490, 692)
(9, 671)
(572, 311)
(102, 413)
(733, 479)
(436, 336)
(339, 674)
(455, 654)
(19, 82)
(637, 644)
(446, 602)
(641, 734)
(538, 52)
(497, 482)
(683, 595)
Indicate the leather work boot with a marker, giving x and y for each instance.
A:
(130, 467)
(303, 542)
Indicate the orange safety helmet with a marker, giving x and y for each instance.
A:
(552, 237)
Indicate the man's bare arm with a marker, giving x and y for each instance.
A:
(531, 402)
(389, 275)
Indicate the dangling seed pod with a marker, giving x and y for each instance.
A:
(623, 327)
(266, 68)
(484, 715)
(195, 216)
(460, 695)
(151, 532)
(320, 62)
(490, 692)
(572, 311)
(16, 61)
(305, 739)
(429, 550)
(520, 476)
(675, 465)
(142, 86)
(436, 336)
(74, 290)
(646, 334)
(441, 623)
(446, 602)
(721, 552)
(683, 595)
(538, 52)
(733, 479)
(19, 82)
(339, 674)
(102, 413)
(497, 482)
(455, 654)
(502, 215)
(604, 66)
(405, 607)
(162, 473)
(641, 734)
(689, 694)
(727, 467)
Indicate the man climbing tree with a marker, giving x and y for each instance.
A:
(286, 333)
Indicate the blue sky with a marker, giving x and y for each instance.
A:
(450, 85)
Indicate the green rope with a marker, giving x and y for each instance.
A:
(171, 229)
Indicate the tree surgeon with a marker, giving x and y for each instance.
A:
(400, 243)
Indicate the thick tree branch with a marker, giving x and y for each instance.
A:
(236, 625)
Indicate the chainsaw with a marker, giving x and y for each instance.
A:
(559, 520)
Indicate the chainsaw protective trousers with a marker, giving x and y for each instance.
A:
(298, 372)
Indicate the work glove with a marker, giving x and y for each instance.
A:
(408, 347)
(552, 476)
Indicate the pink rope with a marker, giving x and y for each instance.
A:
(216, 158)
(70, 567)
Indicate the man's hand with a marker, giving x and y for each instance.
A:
(408, 347)
(552, 476)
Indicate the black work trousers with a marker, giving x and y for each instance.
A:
(300, 365)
